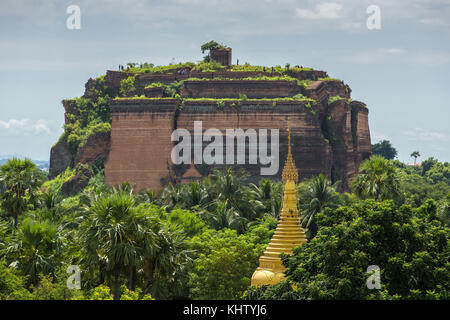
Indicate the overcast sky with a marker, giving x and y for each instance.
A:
(401, 71)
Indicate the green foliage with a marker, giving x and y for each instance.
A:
(211, 45)
(280, 291)
(417, 184)
(209, 66)
(123, 238)
(334, 99)
(243, 97)
(412, 252)
(12, 284)
(246, 67)
(190, 222)
(47, 289)
(134, 295)
(328, 79)
(378, 179)
(101, 292)
(155, 85)
(439, 172)
(54, 186)
(384, 149)
(202, 240)
(319, 195)
(150, 68)
(127, 87)
(20, 180)
(88, 116)
(36, 248)
(223, 265)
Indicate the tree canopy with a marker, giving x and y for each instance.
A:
(385, 149)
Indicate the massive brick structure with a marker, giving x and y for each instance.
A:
(330, 132)
(327, 138)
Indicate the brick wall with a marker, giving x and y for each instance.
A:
(140, 142)
(233, 88)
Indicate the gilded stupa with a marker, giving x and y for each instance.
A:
(288, 234)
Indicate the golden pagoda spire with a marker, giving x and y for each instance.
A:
(290, 171)
(288, 234)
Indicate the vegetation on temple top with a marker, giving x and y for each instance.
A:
(211, 45)
(328, 79)
(333, 99)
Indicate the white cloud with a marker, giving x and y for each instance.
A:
(433, 21)
(25, 127)
(380, 137)
(392, 50)
(327, 10)
(427, 135)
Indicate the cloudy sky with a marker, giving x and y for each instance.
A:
(401, 71)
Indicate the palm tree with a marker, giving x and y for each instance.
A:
(229, 189)
(4, 233)
(171, 196)
(20, 180)
(36, 248)
(266, 197)
(225, 216)
(320, 194)
(378, 179)
(164, 267)
(117, 235)
(194, 195)
(415, 155)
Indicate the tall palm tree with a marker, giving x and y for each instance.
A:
(378, 179)
(117, 235)
(320, 194)
(163, 268)
(415, 155)
(20, 180)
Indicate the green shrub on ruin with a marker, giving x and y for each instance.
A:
(127, 87)
(333, 99)
(210, 66)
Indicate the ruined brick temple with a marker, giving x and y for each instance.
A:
(329, 131)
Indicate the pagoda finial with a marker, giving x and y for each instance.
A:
(290, 170)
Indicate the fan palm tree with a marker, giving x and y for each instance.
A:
(20, 180)
(194, 195)
(163, 267)
(36, 248)
(171, 196)
(319, 194)
(266, 197)
(378, 179)
(229, 189)
(117, 235)
(415, 155)
(225, 216)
